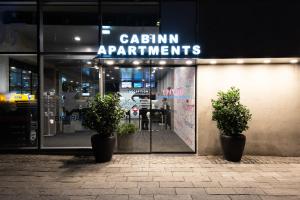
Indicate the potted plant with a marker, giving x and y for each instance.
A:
(103, 115)
(125, 134)
(232, 120)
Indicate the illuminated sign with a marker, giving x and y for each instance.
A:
(149, 45)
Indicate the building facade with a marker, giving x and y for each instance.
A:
(167, 59)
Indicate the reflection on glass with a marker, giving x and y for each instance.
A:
(134, 134)
(69, 83)
(70, 28)
(18, 101)
(18, 30)
(173, 113)
(161, 106)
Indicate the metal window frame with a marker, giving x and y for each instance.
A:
(40, 54)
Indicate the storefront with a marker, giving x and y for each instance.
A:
(56, 55)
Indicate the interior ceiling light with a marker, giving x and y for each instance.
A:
(213, 62)
(112, 78)
(136, 62)
(106, 27)
(77, 38)
(162, 62)
(188, 62)
(110, 62)
(105, 32)
(267, 61)
(240, 61)
(138, 68)
(161, 68)
(294, 61)
(88, 62)
(107, 75)
(117, 67)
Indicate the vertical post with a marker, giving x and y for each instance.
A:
(101, 80)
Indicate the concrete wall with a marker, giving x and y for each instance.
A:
(271, 92)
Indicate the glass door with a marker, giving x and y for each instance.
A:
(132, 82)
(159, 103)
(173, 109)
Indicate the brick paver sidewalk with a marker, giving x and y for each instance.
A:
(148, 177)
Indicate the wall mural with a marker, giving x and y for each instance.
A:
(184, 108)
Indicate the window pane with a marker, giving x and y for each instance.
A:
(18, 30)
(70, 28)
(18, 101)
(69, 83)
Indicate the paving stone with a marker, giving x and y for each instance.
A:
(245, 197)
(267, 197)
(140, 178)
(148, 184)
(126, 185)
(210, 197)
(148, 177)
(206, 184)
(279, 191)
(172, 197)
(113, 197)
(249, 191)
(176, 184)
(141, 197)
(127, 191)
(167, 191)
(168, 178)
(190, 191)
(220, 191)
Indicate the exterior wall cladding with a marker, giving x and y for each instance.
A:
(251, 29)
(233, 29)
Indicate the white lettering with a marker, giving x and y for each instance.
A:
(153, 50)
(134, 39)
(196, 50)
(149, 45)
(162, 39)
(132, 50)
(121, 51)
(173, 38)
(124, 38)
(102, 50)
(164, 50)
(145, 39)
(175, 50)
(186, 49)
(111, 49)
(152, 38)
(142, 49)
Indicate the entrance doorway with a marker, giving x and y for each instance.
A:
(159, 99)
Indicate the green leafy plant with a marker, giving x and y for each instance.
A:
(126, 129)
(104, 114)
(231, 116)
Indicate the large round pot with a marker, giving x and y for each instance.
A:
(103, 147)
(233, 146)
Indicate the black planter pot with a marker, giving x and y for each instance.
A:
(233, 147)
(103, 147)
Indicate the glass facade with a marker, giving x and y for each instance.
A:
(49, 71)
